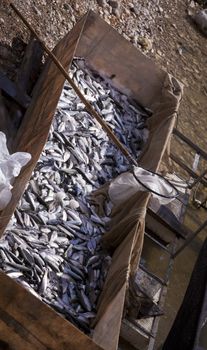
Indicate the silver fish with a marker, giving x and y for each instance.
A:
(53, 244)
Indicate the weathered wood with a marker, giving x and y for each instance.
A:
(133, 335)
(113, 296)
(11, 90)
(124, 345)
(198, 150)
(33, 132)
(177, 160)
(107, 52)
(27, 323)
(5, 120)
(30, 67)
(105, 334)
(199, 178)
(167, 221)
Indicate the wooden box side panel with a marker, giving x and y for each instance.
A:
(113, 56)
(27, 323)
(33, 133)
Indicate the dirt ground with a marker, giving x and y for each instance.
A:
(162, 29)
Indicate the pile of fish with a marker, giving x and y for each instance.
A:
(52, 245)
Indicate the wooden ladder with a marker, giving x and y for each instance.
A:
(166, 233)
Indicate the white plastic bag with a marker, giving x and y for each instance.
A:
(10, 167)
(126, 185)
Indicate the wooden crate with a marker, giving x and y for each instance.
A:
(25, 321)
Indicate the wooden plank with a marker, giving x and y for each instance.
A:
(168, 222)
(6, 124)
(133, 335)
(177, 160)
(14, 336)
(198, 150)
(179, 206)
(30, 66)
(33, 132)
(106, 333)
(124, 345)
(111, 304)
(99, 39)
(27, 320)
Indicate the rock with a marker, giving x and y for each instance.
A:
(127, 11)
(6, 53)
(116, 12)
(202, 2)
(67, 7)
(101, 3)
(201, 20)
(134, 39)
(131, 5)
(114, 4)
(160, 9)
(37, 11)
(2, 21)
(204, 90)
(146, 43)
(106, 12)
(180, 50)
(125, 36)
(116, 7)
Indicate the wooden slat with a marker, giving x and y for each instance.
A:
(105, 333)
(30, 67)
(35, 324)
(177, 160)
(167, 222)
(33, 132)
(190, 143)
(11, 340)
(100, 39)
(134, 336)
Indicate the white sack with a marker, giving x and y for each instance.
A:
(10, 167)
(125, 186)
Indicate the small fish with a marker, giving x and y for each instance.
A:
(18, 266)
(53, 243)
(85, 302)
(44, 283)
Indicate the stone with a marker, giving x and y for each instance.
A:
(101, 3)
(201, 20)
(37, 11)
(134, 39)
(67, 7)
(114, 4)
(131, 6)
(116, 8)
(146, 43)
(116, 12)
(106, 12)
(127, 11)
